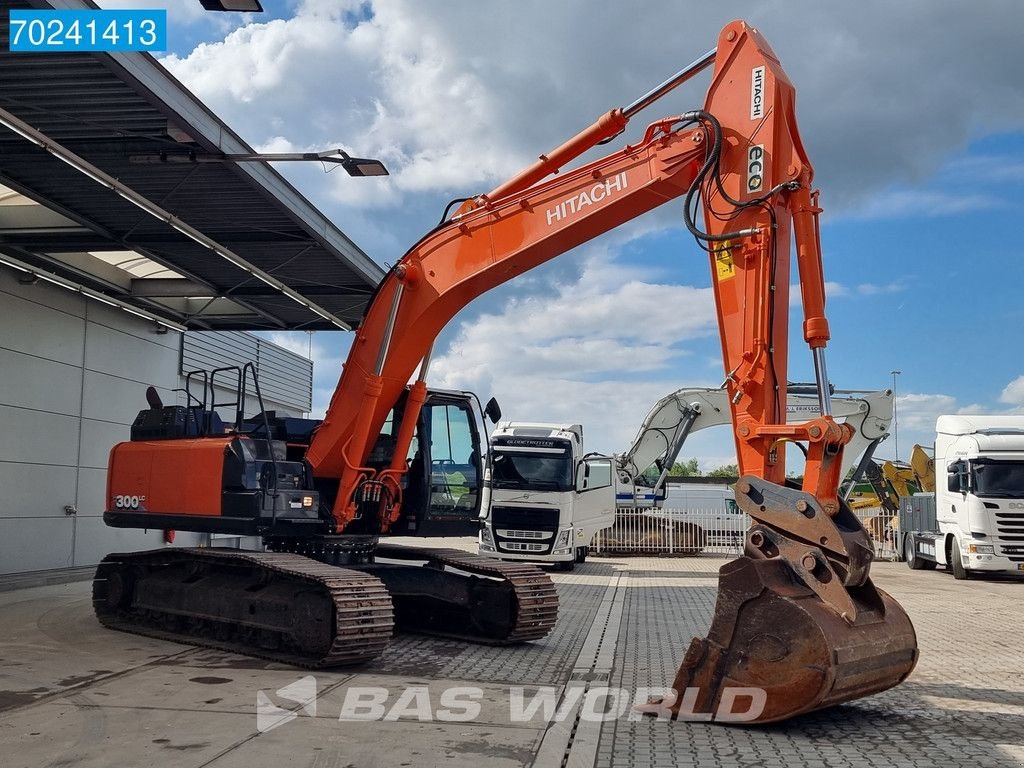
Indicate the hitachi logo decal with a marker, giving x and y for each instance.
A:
(757, 94)
(755, 167)
(595, 194)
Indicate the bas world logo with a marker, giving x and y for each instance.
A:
(301, 693)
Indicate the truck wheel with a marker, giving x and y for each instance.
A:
(566, 565)
(959, 572)
(581, 554)
(914, 562)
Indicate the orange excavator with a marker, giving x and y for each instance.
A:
(797, 616)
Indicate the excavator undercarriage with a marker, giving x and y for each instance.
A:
(294, 609)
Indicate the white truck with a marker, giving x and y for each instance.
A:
(547, 499)
(975, 519)
(712, 506)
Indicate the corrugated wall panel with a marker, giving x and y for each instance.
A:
(285, 378)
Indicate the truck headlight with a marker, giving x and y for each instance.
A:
(563, 539)
(485, 536)
(981, 549)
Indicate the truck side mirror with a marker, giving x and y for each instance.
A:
(582, 473)
(955, 478)
(493, 411)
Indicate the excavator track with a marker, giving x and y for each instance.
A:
(272, 605)
(491, 601)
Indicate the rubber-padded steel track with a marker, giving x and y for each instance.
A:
(534, 596)
(273, 605)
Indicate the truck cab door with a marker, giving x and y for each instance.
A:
(594, 499)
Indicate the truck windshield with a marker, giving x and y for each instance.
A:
(999, 479)
(537, 467)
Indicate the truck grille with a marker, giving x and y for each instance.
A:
(1010, 526)
(537, 523)
(525, 534)
(1014, 552)
(523, 546)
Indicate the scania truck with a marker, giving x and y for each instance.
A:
(974, 522)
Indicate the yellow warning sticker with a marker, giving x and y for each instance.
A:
(724, 267)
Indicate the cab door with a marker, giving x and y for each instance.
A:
(445, 477)
(594, 499)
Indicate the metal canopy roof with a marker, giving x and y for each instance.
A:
(107, 108)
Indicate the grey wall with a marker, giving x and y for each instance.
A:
(73, 374)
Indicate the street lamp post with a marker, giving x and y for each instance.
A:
(895, 418)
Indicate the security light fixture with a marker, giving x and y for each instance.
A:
(237, 6)
(354, 166)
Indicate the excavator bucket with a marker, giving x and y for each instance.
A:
(798, 625)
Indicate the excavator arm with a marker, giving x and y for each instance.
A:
(741, 155)
(797, 617)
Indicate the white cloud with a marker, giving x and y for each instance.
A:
(1013, 393)
(178, 12)
(561, 355)
(917, 411)
(924, 203)
(875, 289)
(456, 99)
(834, 290)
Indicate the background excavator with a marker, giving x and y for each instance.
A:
(882, 488)
(797, 616)
(643, 468)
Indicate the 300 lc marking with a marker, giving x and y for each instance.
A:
(128, 502)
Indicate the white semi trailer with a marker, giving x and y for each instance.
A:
(974, 521)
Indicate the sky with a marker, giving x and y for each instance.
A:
(912, 114)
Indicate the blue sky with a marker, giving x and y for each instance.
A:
(915, 139)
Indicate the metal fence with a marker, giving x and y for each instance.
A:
(883, 529)
(707, 532)
(673, 532)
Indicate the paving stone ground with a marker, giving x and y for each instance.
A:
(74, 694)
(962, 706)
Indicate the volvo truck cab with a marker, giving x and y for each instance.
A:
(547, 498)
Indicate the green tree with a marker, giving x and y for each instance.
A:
(729, 470)
(685, 468)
